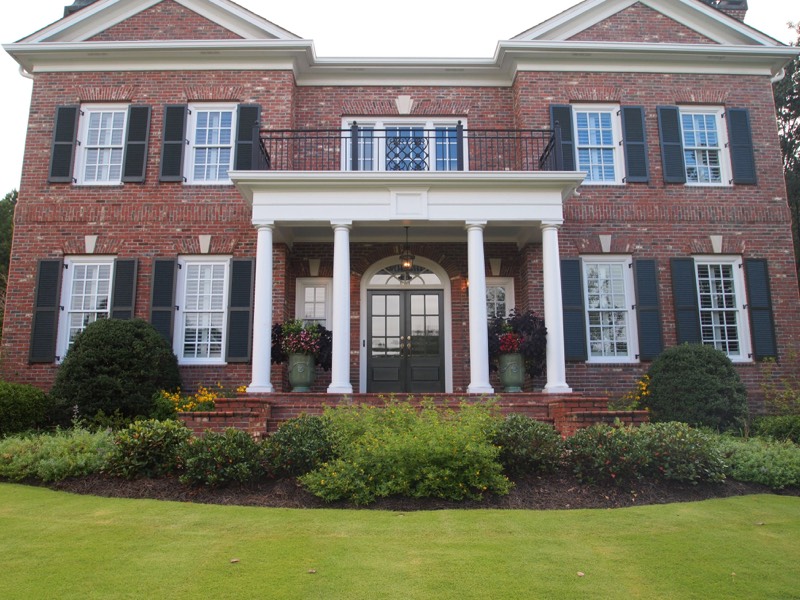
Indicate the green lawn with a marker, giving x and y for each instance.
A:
(58, 545)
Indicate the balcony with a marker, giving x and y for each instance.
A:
(408, 148)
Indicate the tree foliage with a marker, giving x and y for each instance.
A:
(7, 205)
(787, 105)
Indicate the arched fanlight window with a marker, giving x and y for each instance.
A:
(396, 275)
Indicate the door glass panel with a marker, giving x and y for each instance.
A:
(417, 305)
(378, 305)
(393, 327)
(392, 346)
(378, 326)
(431, 304)
(392, 305)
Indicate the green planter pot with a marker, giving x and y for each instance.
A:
(512, 372)
(301, 372)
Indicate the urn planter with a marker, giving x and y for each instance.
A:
(301, 372)
(512, 372)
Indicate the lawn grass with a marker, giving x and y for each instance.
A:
(58, 545)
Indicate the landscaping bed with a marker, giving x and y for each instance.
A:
(545, 492)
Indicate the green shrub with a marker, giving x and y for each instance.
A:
(148, 448)
(115, 365)
(602, 454)
(400, 450)
(698, 385)
(756, 460)
(785, 427)
(528, 446)
(219, 459)
(299, 445)
(678, 452)
(23, 407)
(53, 457)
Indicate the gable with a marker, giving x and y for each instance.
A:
(640, 23)
(167, 20)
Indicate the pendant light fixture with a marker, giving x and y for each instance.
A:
(406, 258)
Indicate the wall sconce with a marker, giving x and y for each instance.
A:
(406, 258)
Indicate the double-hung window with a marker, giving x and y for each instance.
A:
(85, 297)
(202, 308)
(720, 292)
(610, 315)
(211, 136)
(402, 145)
(101, 141)
(704, 146)
(598, 147)
(313, 301)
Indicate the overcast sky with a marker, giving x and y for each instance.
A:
(343, 28)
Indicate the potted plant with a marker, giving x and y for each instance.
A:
(517, 346)
(302, 346)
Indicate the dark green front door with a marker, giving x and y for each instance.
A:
(405, 341)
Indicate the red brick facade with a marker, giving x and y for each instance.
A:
(154, 219)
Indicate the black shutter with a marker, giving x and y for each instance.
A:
(669, 133)
(574, 311)
(62, 151)
(134, 164)
(648, 311)
(247, 124)
(173, 142)
(759, 304)
(45, 311)
(741, 145)
(123, 295)
(240, 311)
(562, 114)
(684, 293)
(634, 140)
(162, 304)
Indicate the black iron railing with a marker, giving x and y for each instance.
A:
(410, 148)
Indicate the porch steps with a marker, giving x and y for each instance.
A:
(262, 414)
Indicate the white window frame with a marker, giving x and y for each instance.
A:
(304, 283)
(192, 146)
(718, 112)
(739, 290)
(630, 301)
(84, 147)
(507, 283)
(66, 308)
(379, 143)
(616, 142)
(180, 312)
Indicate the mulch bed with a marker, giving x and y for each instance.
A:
(557, 491)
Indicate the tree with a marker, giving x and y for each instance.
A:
(787, 105)
(7, 205)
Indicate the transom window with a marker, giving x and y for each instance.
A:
(598, 143)
(101, 138)
(395, 275)
(202, 294)
(85, 297)
(608, 285)
(704, 144)
(719, 285)
(211, 137)
(403, 145)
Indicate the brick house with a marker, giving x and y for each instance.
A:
(193, 164)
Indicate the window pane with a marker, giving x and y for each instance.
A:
(606, 309)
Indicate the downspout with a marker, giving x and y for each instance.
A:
(778, 77)
(25, 73)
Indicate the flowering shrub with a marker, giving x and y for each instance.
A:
(148, 448)
(634, 399)
(605, 454)
(219, 459)
(510, 342)
(202, 400)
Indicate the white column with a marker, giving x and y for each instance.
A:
(478, 332)
(340, 361)
(553, 311)
(262, 313)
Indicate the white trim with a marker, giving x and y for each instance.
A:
(303, 283)
(180, 297)
(68, 272)
(448, 315)
(630, 301)
(194, 110)
(740, 290)
(723, 148)
(616, 142)
(508, 284)
(82, 148)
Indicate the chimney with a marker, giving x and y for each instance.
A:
(76, 6)
(733, 8)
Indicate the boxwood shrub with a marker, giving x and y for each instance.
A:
(23, 407)
(299, 445)
(528, 446)
(220, 459)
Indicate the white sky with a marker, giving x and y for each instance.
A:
(343, 28)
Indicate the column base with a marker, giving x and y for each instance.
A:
(480, 389)
(557, 388)
(260, 389)
(340, 389)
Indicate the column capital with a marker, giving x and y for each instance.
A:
(264, 225)
(341, 224)
(551, 225)
(474, 225)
